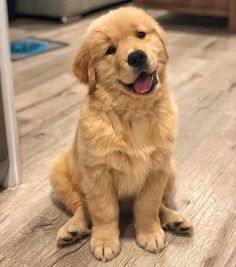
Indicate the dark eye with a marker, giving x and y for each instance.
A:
(141, 35)
(111, 50)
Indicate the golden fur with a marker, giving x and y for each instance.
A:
(123, 143)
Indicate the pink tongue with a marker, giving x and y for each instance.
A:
(143, 83)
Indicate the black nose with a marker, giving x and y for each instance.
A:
(137, 59)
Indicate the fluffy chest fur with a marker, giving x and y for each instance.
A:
(128, 146)
(133, 164)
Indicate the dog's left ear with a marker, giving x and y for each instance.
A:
(83, 67)
(162, 35)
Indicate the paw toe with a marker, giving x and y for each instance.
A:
(184, 229)
(152, 242)
(104, 250)
(176, 224)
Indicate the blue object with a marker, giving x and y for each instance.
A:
(27, 47)
(32, 46)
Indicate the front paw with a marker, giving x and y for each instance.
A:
(105, 249)
(152, 241)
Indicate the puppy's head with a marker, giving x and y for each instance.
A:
(123, 50)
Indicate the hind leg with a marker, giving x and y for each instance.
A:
(171, 219)
(61, 181)
(73, 230)
(174, 221)
(168, 196)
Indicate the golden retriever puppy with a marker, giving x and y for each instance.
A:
(124, 139)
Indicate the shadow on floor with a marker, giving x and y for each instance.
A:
(125, 221)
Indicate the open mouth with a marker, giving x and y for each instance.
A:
(144, 83)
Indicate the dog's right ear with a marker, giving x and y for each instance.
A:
(162, 36)
(82, 67)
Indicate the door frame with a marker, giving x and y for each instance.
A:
(13, 176)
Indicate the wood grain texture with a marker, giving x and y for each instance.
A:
(196, 7)
(232, 16)
(202, 75)
(218, 8)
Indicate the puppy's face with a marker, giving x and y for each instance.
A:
(123, 50)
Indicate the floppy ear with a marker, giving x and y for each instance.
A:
(162, 35)
(83, 67)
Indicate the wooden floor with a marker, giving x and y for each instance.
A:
(203, 77)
